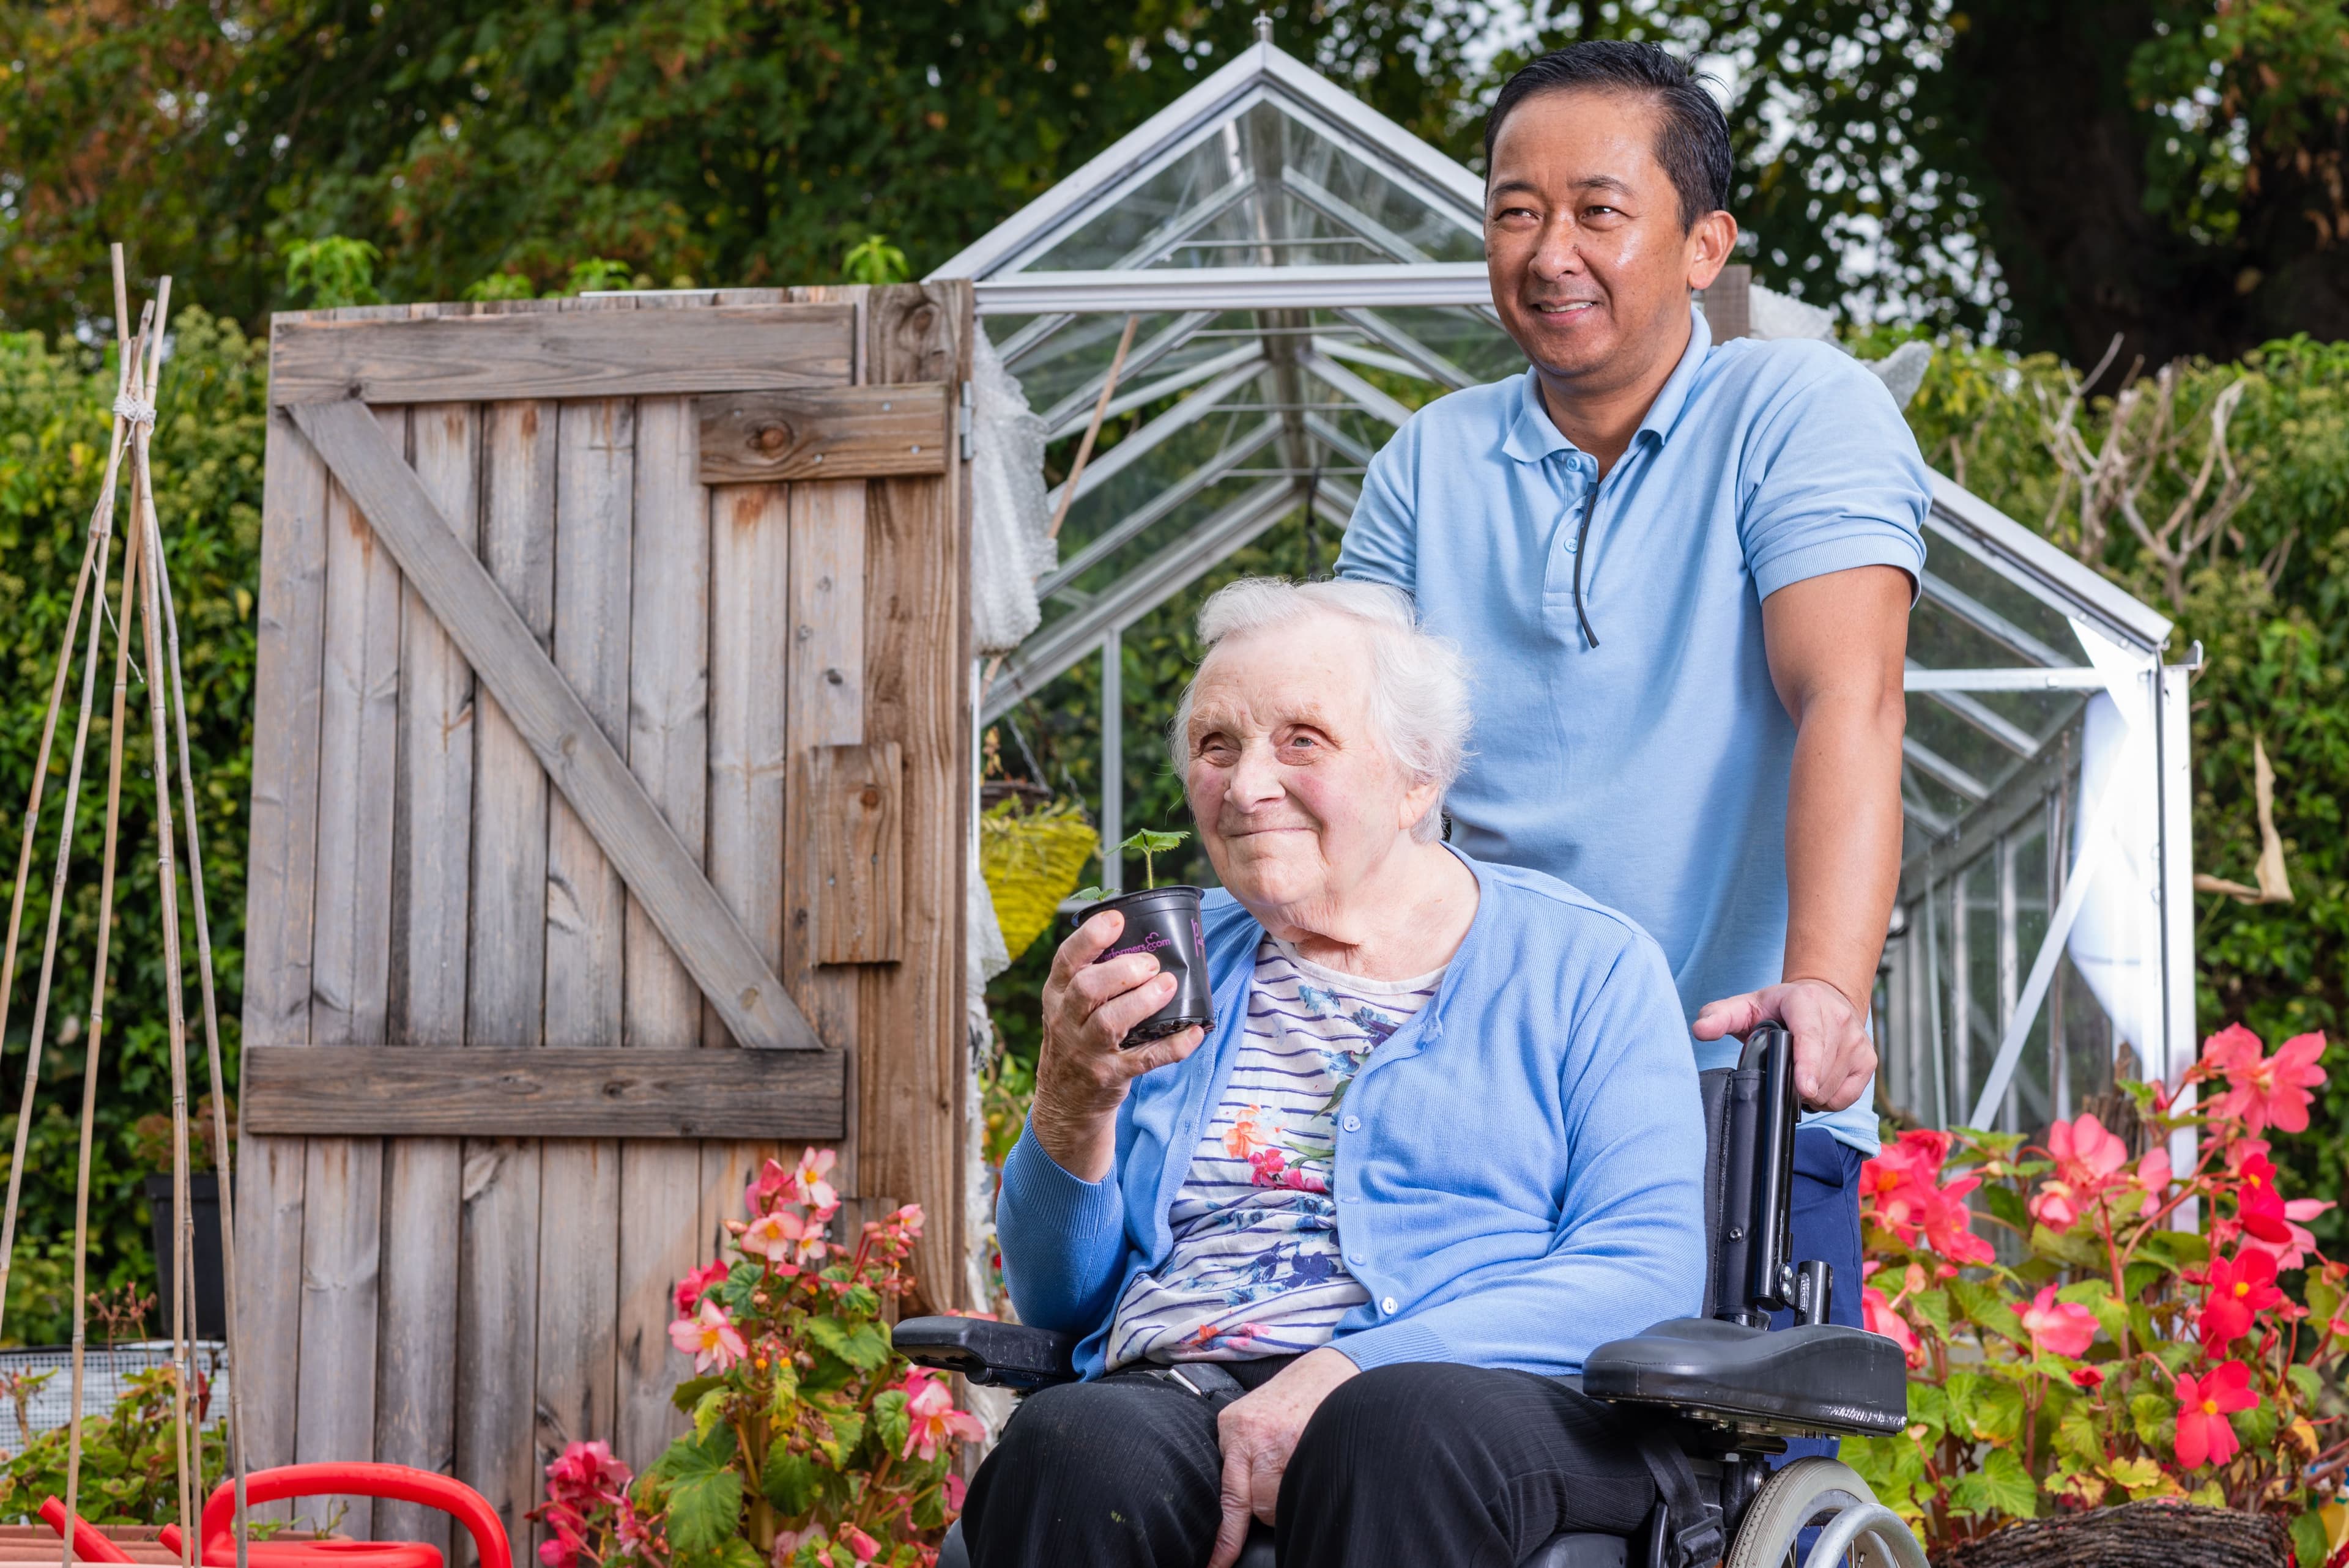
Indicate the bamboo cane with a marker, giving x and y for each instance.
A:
(93, 568)
(166, 870)
(131, 567)
(222, 1156)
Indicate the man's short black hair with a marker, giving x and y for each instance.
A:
(1692, 143)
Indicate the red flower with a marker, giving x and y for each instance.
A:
(2239, 1287)
(2204, 1433)
(697, 1284)
(2087, 1378)
(2293, 1252)
(2264, 1091)
(1879, 1317)
(2064, 1326)
(1949, 1223)
(2258, 1205)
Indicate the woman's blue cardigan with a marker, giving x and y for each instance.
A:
(1517, 1169)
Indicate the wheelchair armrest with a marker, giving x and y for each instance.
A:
(994, 1355)
(1817, 1379)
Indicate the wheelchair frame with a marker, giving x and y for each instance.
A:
(1722, 1390)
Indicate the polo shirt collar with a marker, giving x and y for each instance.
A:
(1533, 438)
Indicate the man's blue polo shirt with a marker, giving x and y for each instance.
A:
(1648, 770)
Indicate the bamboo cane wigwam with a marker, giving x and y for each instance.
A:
(146, 602)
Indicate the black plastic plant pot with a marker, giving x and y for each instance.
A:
(212, 1300)
(1164, 924)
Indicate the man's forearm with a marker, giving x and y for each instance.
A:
(1843, 841)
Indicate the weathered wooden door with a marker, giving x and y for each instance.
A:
(610, 759)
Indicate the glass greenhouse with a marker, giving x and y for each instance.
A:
(1300, 272)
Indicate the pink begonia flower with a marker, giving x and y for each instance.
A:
(697, 1284)
(2154, 1175)
(2241, 1288)
(2203, 1430)
(931, 1415)
(588, 1471)
(808, 1183)
(2088, 1378)
(2263, 1093)
(863, 1546)
(2086, 1155)
(2259, 1207)
(786, 1238)
(2064, 1326)
(909, 1218)
(1877, 1314)
(2292, 1252)
(709, 1337)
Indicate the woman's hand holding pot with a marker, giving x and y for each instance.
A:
(1081, 1071)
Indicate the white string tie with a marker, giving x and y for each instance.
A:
(137, 410)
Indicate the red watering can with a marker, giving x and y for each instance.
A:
(398, 1483)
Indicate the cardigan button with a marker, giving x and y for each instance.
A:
(1354, 1124)
(1388, 1305)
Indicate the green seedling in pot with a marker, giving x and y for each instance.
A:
(1145, 843)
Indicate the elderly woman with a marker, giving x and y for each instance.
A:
(1443, 1139)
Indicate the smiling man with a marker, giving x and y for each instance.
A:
(1682, 573)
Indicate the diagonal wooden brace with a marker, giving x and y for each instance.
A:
(582, 763)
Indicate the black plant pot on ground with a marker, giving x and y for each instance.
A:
(211, 1298)
(1164, 924)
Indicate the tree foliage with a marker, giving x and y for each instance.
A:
(2168, 169)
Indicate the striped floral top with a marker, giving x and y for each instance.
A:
(1256, 1268)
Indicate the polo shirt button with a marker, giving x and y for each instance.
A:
(1355, 1258)
(1388, 1305)
(1347, 1197)
(1354, 1124)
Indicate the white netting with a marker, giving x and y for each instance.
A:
(1009, 546)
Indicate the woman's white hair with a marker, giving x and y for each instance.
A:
(1419, 681)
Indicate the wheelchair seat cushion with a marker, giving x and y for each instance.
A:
(1819, 1380)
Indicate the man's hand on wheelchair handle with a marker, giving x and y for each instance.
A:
(1257, 1433)
(1081, 1073)
(1834, 1058)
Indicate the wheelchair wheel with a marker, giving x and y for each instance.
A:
(1815, 1492)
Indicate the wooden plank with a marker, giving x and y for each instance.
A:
(555, 1092)
(668, 695)
(580, 757)
(568, 354)
(280, 872)
(853, 794)
(415, 1375)
(497, 1330)
(833, 433)
(910, 1093)
(669, 752)
(497, 1285)
(750, 766)
(350, 975)
(578, 1263)
(586, 939)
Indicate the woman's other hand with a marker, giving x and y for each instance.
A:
(1257, 1433)
(1081, 1073)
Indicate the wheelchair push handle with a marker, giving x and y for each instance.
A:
(1772, 1278)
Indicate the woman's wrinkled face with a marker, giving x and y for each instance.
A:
(1295, 796)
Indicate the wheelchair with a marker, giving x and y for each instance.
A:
(1711, 1399)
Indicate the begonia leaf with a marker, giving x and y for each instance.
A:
(789, 1480)
(2312, 1543)
(2152, 1416)
(2001, 1486)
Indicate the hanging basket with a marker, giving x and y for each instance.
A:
(1031, 860)
(2151, 1535)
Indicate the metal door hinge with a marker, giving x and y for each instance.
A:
(963, 421)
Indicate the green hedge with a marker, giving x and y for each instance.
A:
(54, 402)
